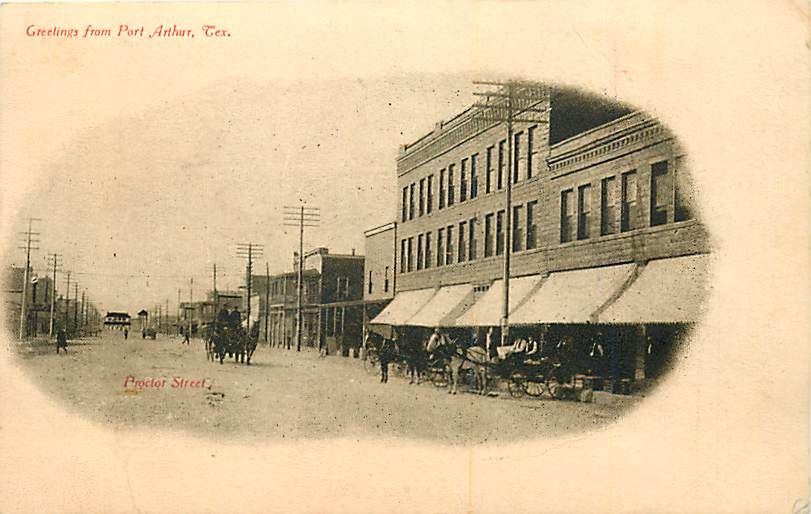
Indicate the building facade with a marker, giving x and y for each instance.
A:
(332, 302)
(598, 192)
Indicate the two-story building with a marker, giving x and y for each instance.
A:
(332, 302)
(605, 251)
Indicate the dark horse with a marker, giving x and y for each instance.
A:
(385, 349)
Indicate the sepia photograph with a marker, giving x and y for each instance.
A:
(301, 258)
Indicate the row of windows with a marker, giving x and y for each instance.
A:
(671, 199)
(418, 197)
(619, 202)
(385, 281)
(460, 242)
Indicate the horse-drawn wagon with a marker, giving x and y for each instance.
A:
(225, 338)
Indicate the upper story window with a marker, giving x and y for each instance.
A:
(419, 252)
(422, 197)
(463, 181)
(488, 170)
(628, 202)
(370, 282)
(410, 255)
(405, 204)
(532, 151)
(428, 255)
(441, 188)
(471, 240)
(584, 212)
(608, 206)
(517, 236)
(661, 193)
(440, 247)
(429, 197)
(450, 185)
(386, 280)
(567, 224)
(474, 179)
(488, 235)
(500, 232)
(411, 201)
(683, 192)
(518, 158)
(462, 247)
(402, 256)
(449, 245)
(502, 150)
(532, 228)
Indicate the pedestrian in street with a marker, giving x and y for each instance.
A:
(185, 336)
(126, 334)
(61, 341)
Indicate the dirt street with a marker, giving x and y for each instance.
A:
(283, 394)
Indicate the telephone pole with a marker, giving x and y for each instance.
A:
(67, 303)
(302, 217)
(82, 323)
(28, 242)
(55, 264)
(512, 102)
(75, 305)
(249, 251)
(267, 300)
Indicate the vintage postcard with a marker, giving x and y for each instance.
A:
(479, 257)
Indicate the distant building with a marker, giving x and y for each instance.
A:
(38, 301)
(117, 321)
(332, 302)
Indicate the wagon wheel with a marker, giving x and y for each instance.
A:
(517, 385)
(438, 377)
(536, 388)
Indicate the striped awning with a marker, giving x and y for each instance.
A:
(672, 290)
(486, 312)
(444, 307)
(573, 296)
(404, 306)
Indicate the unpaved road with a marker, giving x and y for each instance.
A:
(284, 394)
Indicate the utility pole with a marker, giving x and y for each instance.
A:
(166, 314)
(28, 242)
(513, 102)
(81, 324)
(267, 300)
(54, 262)
(75, 305)
(303, 217)
(67, 303)
(249, 251)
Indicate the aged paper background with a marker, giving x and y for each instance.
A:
(728, 432)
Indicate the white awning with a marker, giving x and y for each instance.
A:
(572, 296)
(403, 307)
(672, 290)
(444, 307)
(486, 312)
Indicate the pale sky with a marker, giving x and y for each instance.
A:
(140, 203)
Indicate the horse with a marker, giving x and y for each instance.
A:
(415, 356)
(386, 350)
(457, 357)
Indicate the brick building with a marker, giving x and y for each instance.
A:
(605, 249)
(38, 301)
(332, 302)
(379, 270)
